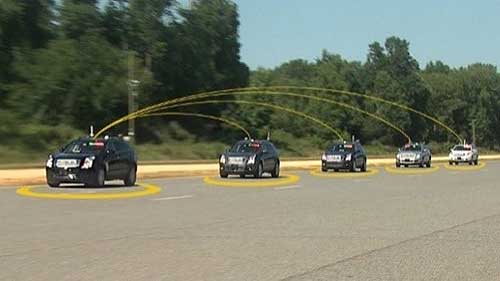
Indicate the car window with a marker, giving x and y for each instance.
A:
(83, 147)
(341, 148)
(462, 148)
(121, 146)
(246, 147)
(110, 146)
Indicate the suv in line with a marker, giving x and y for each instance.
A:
(92, 162)
(467, 153)
(414, 154)
(344, 155)
(250, 157)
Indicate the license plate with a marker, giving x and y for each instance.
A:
(236, 160)
(67, 163)
(333, 158)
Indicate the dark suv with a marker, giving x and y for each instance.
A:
(91, 162)
(344, 155)
(250, 157)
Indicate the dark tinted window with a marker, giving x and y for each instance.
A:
(84, 146)
(341, 148)
(246, 147)
(121, 146)
(412, 147)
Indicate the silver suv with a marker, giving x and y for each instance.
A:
(464, 153)
(414, 154)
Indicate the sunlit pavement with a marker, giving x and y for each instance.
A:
(443, 225)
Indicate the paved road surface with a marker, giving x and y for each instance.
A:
(439, 226)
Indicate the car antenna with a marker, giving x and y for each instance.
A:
(268, 135)
(91, 131)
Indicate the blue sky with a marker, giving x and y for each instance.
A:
(456, 32)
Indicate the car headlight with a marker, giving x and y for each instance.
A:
(323, 157)
(418, 156)
(88, 162)
(251, 160)
(398, 156)
(348, 157)
(222, 159)
(49, 162)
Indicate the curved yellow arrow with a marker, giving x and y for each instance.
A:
(230, 122)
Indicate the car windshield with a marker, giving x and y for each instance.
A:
(84, 147)
(462, 148)
(246, 147)
(340, 148)
(412, 148)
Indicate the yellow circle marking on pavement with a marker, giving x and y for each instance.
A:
(369, 172)
(466, 167)
(411, 171)
(149, 189)
(282, 180)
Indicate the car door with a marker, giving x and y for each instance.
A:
(111, 160)
(267, 157)
(122, 151)
(358, 155)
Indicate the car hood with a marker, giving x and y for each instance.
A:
(61, 155)
(337, 153)
(239, 154)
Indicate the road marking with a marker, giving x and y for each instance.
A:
(369, 172)
(253, 183)
(149, 189)
(411, 171)
(287, 187)
(173, 198)
(465, 167)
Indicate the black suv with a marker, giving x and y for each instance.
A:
(91, 162)
(250, 157)
(344, 156)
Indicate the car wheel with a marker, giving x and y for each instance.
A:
(353, 166)
(258, 173)
(53, 184)
(475, 162)
(363, 168)
(335, 170)
(398, 165)
(470, 163)
(324, 169)
(429, 164)
(223, 175)
(276, 172)
(242, 176)
(131, 177)
(99, 179)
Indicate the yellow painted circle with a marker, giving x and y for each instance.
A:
(282, 180)
(466, 167)
(149, 189)
(369, 172)
(411, 171)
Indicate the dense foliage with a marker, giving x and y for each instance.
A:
(66, 66)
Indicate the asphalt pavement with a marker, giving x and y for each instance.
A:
(442, 225)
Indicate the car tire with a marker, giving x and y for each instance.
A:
(276, 171)
(223, 175)
(429, 164)
(476, 162)
(363, 168)
(336, 170)
(470, 163)
(324, 169)
(242, 176)
(398, 165)
(53, 184)
(353, 166)
(98, 179)
(259, 171)
(131, 177)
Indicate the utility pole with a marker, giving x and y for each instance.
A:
(473, 131)
(132, 94)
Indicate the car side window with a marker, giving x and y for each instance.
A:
(110, 146)
(121, 146)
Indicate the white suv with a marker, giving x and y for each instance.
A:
(467, 153)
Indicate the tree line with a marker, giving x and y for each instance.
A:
(66, 65)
